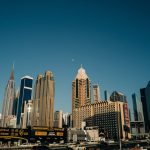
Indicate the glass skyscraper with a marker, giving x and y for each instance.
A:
(25, 95)
(137, 108)
(145, 98)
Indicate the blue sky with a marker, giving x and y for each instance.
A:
(111, 39)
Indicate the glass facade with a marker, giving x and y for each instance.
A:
(76, 88)
(145, 96)
(87, 86)
(147, 92)
(25, 95)
(137, 108)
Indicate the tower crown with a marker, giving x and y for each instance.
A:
(81, 74)
(12, 73)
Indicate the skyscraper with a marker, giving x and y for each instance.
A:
(81, 90)
(137, 108)
(8, 101)
(145, 98)
(106, 95)
(138, 116)
(43, 101)
(25, 95)
(96, 93)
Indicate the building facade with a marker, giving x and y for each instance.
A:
(26, 116)
(16, 102)
(43, 101)
(111, 117)
(118, 96)
(96, 93)
(25, 95)
(137, 108)
(81, 90)
(58, 119)
(106, 95)
(145, 99)
(137, 125)
(8, 102)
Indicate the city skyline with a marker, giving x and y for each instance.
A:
(110, 39)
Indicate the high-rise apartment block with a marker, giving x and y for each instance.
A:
(96, 93)
(81, 90)
(25, 95)
(8, 102)
(43, 101)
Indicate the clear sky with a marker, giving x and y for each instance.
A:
(110, 38)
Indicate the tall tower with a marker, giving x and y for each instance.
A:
(81, 90)
(137, 108)
(145, 99)
(25, 95)
(96, 93)
(43, 100)
(8, 101)
(106, 95)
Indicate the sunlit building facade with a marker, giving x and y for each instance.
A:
(43, 101)
(81, 90)
(96, 93)
(112, 117)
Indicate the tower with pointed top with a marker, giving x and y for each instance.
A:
(81, 90)
(9, 96)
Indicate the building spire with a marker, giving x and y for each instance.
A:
(12, 73)
(81, 73)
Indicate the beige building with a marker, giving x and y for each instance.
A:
(111, 117)
(58, 118)
(96, 93)
(43, 101)
(81, 90)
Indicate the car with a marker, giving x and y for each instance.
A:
(40, 147)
